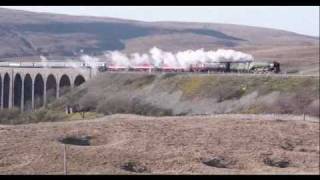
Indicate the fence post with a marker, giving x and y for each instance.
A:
(65, 159)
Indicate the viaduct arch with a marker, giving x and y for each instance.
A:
(31, 88)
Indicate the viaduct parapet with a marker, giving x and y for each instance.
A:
(31, 88)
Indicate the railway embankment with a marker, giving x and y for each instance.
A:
(174, 94)
(192, 94)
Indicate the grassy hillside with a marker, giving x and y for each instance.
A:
(174, 94)
(180, 94)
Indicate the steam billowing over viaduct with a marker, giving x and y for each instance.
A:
(31, 88)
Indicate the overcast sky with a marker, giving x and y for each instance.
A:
(299, 19)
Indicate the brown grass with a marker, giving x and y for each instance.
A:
(167, 145)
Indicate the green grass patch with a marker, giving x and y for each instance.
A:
(140, 82)
(192, 86)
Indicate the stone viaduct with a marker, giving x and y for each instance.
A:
(31, 88)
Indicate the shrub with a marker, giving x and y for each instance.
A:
(9, 115)
(89, 101)
(293, 71)
(130, 106)
(140, 82)
(14, 116)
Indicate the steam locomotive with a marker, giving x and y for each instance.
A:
(248, 67)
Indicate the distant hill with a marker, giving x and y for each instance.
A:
(28, 35)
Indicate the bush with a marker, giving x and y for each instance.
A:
(44, 115)
(293, 71)
(14, 116)
(89, 101)
(9, 115)
(130, 106)
(140, 82)
(134, 166)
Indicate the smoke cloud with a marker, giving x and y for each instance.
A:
(90, 61)
(182, 59)
(158, 58)
(44, 61)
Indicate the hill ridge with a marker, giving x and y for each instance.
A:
(31, 34)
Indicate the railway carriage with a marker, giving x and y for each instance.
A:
(239, 67)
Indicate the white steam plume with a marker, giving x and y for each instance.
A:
(183, 59)
(85, 61)
(118, 58)
(44, 61)
(90, 61)
(137, 59)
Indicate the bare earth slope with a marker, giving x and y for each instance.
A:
(28, 35)
(167, 145)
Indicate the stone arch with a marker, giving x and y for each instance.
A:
(64, 85)
(17, 91)
(51, 88)
(27, 92)
(79, 80)
(6, 90)
(38, 91)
